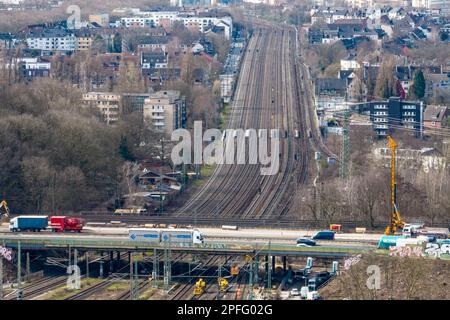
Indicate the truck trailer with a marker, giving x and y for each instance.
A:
(160, 235)
(28, 223)
(65, 224)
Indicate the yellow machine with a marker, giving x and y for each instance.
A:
(199, 287)
(4, 211)
(395, 219)
(223, 284)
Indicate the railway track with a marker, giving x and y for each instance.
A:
(185, 291)
(39, 287)
(264, 100)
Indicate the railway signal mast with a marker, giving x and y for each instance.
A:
(395, 218)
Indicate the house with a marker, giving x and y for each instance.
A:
(436, 83)
(315, 35)
(150, 179)
(154, 43)
(34, 68)
(154, 59)
(6, 41)
(330, 93)
(435, 116)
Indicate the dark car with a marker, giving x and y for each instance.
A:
(324, 235)
(306, 241)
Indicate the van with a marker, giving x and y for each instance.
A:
(324, 235)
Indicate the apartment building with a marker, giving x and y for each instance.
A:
(165, 111)
(395, 114)
(84, 39)
(166, 18)
(107, 103)
(52, 40)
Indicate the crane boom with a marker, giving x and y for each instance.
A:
(395, 218)
(4, 210)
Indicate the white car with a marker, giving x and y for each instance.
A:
(303, 245)
(295, 292)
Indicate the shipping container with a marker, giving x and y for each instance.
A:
(388, 241)
(28, 223)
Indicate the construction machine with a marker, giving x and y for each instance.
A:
(199, 287)
(4, 211)
(223, 284)
(396, 221)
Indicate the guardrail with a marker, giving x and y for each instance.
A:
(103, 216)
(238, 247)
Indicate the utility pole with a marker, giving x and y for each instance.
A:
(250, 282)
(135, 278)
(28, 264)
(19, 272)
(86, 256)
(155, 270)
(269, 273)
(161, 209)
(1, 278)
(167, 263)
(131, 278)
(345, 149)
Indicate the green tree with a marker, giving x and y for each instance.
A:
(124, 150)
(117, 43)
(419, 85)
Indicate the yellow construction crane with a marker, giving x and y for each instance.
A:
(395, 219)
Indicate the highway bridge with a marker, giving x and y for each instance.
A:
(216, 243)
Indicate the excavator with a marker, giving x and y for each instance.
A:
(396, 221)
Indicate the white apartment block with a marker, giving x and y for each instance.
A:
(52, 41)
(107, 103)
(157, 18)
(163, 110)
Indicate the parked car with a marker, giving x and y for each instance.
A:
(306, 241)
(324, 235)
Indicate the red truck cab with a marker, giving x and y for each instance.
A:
(64, 223)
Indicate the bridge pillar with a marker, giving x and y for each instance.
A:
(118, 256)
(101, 269)
(111, 261)
(273, 263)
(266, 264)
(284, 263)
